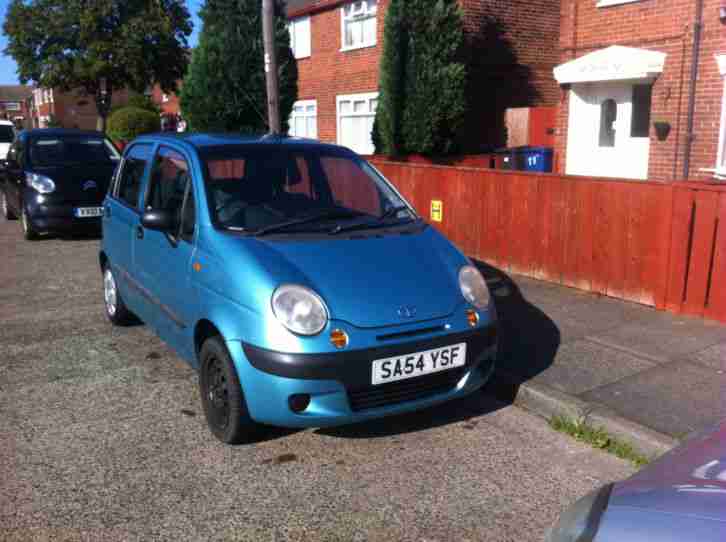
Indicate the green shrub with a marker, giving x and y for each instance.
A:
(128, 123)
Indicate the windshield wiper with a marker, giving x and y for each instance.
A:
(379, 222)
(327, 214)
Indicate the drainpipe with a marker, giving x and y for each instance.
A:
(697, 27)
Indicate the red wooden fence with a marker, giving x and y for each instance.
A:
(654, 243)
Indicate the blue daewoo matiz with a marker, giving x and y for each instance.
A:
(295, 278)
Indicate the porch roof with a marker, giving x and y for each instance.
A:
(614, 63)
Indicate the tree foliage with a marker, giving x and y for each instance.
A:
(130, 122)
(422, 98)
(225, 86)
(74, 44)
(389, 114)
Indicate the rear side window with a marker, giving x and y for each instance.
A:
(169, 189)
(132, 174)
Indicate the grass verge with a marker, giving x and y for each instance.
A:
(597, 438)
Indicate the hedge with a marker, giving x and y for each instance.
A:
(128, 123)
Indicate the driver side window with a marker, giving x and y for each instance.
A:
(170, 190)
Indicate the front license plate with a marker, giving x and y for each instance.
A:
(85, 212)
(418, 364)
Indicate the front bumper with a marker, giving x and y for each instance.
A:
(339, 384)
(60, 218)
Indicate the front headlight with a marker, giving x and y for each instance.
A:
(299, 309)
(581, 521)
(473, 287)
(40, 183)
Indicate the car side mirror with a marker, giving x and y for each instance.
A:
(160, 220)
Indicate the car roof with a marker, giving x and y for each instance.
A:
(61, 132)
(200, 141)
(6, 122)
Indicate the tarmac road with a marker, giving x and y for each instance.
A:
(102, 438)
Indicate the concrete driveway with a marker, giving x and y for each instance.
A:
(102, 438)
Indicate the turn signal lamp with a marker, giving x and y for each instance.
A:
(473, 317)
(339, 338)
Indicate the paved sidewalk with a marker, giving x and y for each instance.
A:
(648, 376)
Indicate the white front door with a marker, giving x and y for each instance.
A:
(608, 130)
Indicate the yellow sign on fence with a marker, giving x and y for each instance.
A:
(437, 210)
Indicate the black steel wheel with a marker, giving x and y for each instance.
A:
(222, 398)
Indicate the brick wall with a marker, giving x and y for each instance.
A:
(512, 44)
(665, 26)
(74, 109)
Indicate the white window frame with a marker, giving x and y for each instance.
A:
(608, 3)
(292, 27)
(367, 96)
(304, 104)
(164, 98)
(721, 155)
(360, 15)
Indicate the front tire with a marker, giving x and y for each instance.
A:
(29, 232)
(222, 399)
(116, 309)
(7, 213)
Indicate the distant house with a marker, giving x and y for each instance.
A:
(14, 104)
(72, 109)
(512, 45)
(626, 72)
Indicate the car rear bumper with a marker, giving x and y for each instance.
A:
(339, 384)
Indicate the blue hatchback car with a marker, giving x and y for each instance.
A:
(295, 278)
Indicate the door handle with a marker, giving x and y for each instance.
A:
(139, 232)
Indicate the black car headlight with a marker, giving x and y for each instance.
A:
(580, 522)
(40, 183)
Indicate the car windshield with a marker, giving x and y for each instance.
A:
(286, 189)
(65, 150)
(6, 133)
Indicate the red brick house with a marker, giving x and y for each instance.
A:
(68, 109)
(14, 104)
(629, 64)
(513, 46)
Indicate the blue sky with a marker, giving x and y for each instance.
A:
(7, 65)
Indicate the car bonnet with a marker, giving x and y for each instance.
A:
(690, 480)
(371, 280)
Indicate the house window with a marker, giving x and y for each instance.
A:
(640, 125)
(300, 36)
(359, 24)
(608, 116)
(356, 114)
(721, 157)
(12, 106)
(607, 3)
(304, 119)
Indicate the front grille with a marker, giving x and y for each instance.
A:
(406, 390)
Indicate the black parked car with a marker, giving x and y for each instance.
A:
(56, 179)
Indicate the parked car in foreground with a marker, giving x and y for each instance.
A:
(680, 497)
(295, 278)
(7, 136)
(55, 180)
